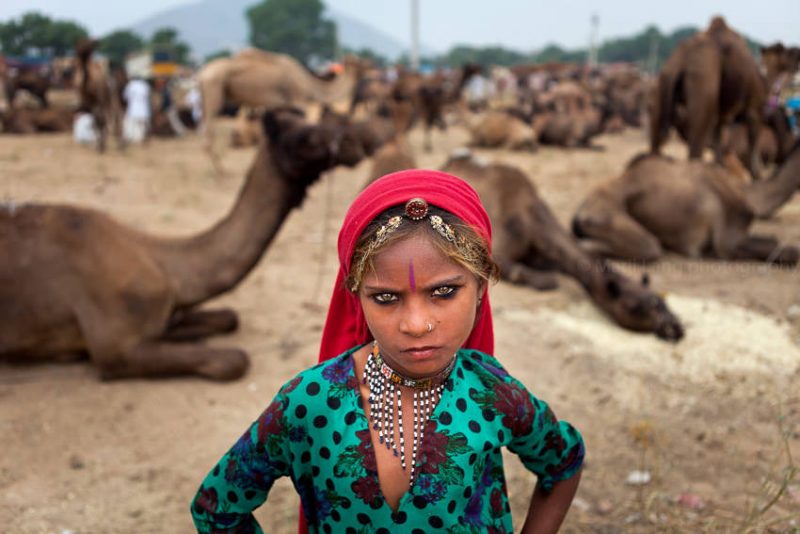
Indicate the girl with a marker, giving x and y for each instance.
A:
(404, 428)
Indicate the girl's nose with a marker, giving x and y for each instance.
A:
(416, 321)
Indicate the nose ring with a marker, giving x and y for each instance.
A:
(430, 327)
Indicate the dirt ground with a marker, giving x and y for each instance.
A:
(714, 420)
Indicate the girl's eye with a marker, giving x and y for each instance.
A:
(445, 291)
(384, 298)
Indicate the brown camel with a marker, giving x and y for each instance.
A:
(372, 132)
(775, 138)
(715, 79)
(693, 208)
(262, 79)
(30, 80)
(98, 94)
(74, 280)
(529, 242)
(499, 129)
(30, 120)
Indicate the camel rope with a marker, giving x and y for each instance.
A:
(324, 241)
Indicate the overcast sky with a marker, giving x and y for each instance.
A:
(519, 24)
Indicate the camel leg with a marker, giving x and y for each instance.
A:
(100, 127)
(162, 359)
(198, 324)
(753, 130)
(621, 235)
(767, 249)
(521, 274)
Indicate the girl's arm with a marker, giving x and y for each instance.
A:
(241, 480)
(547, 510)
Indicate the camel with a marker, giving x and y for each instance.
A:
(697, 209)
(529, 242)
(30, 120)
(428, 96)
(74, 280)
(262, 79)
(714, 77)
(372, 132)
(29, 80)
(98, 94)
(499, 129)
(568, 129)
(775, 139)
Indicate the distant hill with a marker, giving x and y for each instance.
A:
(212, 25)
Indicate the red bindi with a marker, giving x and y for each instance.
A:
(411, 281)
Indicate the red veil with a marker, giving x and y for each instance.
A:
(345, 326)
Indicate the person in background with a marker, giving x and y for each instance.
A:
(136, 124)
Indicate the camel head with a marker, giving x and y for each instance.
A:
(302, 150)
(636, 307)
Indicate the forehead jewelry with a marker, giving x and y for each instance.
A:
(415, 209)
(386, 406)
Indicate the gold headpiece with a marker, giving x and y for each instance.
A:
(416, 209)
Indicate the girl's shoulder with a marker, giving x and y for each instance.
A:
(486, 366)
(335, 373)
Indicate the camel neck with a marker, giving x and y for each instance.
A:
(766, 196)
(210, 263)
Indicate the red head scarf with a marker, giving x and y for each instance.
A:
(345, 326)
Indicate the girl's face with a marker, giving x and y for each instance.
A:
(414, 285)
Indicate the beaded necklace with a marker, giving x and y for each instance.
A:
(386, 406)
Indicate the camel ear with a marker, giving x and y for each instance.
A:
(613, 289)
(645, 280)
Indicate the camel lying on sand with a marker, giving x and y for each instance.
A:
(529, 243)
(692, 208)
(75, 281)
(31, 120)
(29, 80)
(266, 80)
(498, 129)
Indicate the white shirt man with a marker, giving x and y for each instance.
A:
(137, 113)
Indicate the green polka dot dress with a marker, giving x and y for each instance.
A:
(316, 432)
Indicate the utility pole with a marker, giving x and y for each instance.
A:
(593, 41)
(415, 35)
(653, 67)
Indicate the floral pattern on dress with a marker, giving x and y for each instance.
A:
(316, 432)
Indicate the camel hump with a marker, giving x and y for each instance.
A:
(641, 156)
(717, 24)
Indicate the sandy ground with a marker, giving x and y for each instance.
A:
(712, 419)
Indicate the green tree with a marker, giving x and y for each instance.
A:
(485, 56)
(118, 44)
(35, 33)
(217, 55)
(167, 38)
(293, 27)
